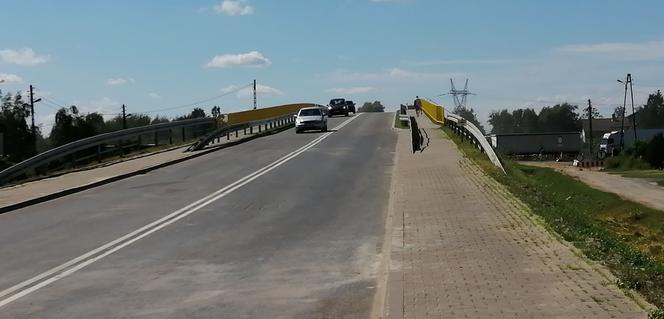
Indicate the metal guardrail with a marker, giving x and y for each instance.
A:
(260, 125)
(29, 165)
(469, 130)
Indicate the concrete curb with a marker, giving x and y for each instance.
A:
(389, 303)
(142, 171)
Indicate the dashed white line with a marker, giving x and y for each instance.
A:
(56, 273)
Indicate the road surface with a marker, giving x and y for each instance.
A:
(285, 226)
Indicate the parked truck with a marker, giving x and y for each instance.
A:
(611, 141)
(522, 144)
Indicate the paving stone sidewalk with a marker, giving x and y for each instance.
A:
(464, 247)
(43, 187)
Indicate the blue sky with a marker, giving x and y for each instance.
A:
(157, 55)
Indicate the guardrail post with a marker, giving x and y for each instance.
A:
(228, 135)
(98, 153)
(251, 130)
(183, 136)
(259, 127)
(235, 133)
(170, 137)
(156, 138)
(119, 146)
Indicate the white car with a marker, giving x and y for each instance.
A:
(310, 118)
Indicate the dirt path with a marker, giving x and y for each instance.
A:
(634, 189)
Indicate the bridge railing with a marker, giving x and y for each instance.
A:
(462, 127)
(247, 128)
(29, 166)
(260, 119)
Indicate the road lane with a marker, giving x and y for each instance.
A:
(299, 241)
(46, 235)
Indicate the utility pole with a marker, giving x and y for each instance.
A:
(628, 81)
(254, 94)
(590, 126)
(124, 117)
(32, 114)
(631, 92)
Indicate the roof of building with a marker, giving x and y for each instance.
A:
(605, 125)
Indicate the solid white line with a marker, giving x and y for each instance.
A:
(84, 260)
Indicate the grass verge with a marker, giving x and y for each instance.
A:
(624, 236)
(398, 123)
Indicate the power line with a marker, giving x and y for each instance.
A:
(201, 101)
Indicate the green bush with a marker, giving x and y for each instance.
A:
(641, 155)
(625, 162)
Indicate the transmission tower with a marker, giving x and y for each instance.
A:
(460, 97)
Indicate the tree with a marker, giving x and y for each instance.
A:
(195, 113)
(18, 138)
(559, 118)
(617, 113)
(71, 126)
(501, 122)
(216, 111)
(375, 106)
(133, 120)
(159, 119)
(469, 115)
(584, 114)
(651, 115)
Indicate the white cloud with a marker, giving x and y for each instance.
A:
(351, 90)
(24, 56)
(251, 59)
(10, 78)
(234, 8)
(643, 51)
(120, 81)
(154, 95)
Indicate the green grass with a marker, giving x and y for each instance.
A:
(398, 123)
(625, 236)
(625, 162)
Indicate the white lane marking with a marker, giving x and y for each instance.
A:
(54, 274)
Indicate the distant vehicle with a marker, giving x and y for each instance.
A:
(611, 141)
(351, 106)
(520, 144)
(310, 118)
(337, 107)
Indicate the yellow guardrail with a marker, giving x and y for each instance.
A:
(264, 113)
(435, 113)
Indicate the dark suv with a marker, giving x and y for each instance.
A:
(351, 106)
(337, 107)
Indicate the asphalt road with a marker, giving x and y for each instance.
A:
(290, 226)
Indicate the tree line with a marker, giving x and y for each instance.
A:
(563, 117)
(70, 125)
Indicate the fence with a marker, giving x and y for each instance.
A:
(97, 144)
(465, 129)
